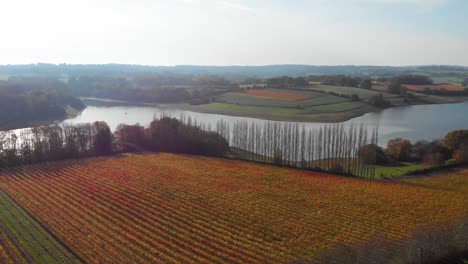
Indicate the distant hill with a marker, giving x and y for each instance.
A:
(230, 72)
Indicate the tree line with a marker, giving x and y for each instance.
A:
(70, 141)
(452, 149)
(54, 142)
(140, 88)
(334, 147)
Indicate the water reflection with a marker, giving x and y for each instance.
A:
(412, 122)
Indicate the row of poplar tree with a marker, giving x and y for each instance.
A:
(338, 148)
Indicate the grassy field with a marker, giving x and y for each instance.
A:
(449, 79)
(362, 93)
(319, 103)
(422, 88)
(335, 108)
(25, 240)
(297, 105)
(323, 113)
(164, 208)
(277, 95)
(397, 171)
(258, 110)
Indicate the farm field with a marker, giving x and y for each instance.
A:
(165, 208)
(362, 93)
(280, 98)
(322, 113)
(255, 109)
(397, 171)
(277, 95)
(435, 99)
(448, 79)
(24, 240)
(285, 105)
(421, 88)
(319, 103)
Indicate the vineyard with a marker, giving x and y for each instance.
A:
(168, 208)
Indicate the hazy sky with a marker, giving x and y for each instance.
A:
(235, 32)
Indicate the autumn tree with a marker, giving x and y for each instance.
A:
(372, 154)
(437, 154)
(461, 154)
(130, 138)
(455, 139)
(399, 149)
(102, 138)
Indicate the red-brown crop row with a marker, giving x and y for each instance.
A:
(286, 96)
(180, 209)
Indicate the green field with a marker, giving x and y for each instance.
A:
(38, 245)
(336, 108)
(325, 113)
(4, 77)
(255, 109)
(348, 91)
(321, 103)
(316, 106)
(397, 171)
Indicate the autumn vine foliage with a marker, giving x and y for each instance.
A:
(167, 208)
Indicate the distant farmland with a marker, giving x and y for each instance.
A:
(268, 94)
(422, 88)
(318, 103)
(168, 208)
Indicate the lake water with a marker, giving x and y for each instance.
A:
(412, 122)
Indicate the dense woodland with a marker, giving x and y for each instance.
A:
(28, 103)
(160, 88)
(67, 141)
(152, 88)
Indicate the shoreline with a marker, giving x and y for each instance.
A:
(70, 113)
(333, 117)
(310, 118)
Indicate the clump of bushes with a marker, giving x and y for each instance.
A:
(379, 101)
(170, 135)
(451, 150)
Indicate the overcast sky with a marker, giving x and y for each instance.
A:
(235, 32)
